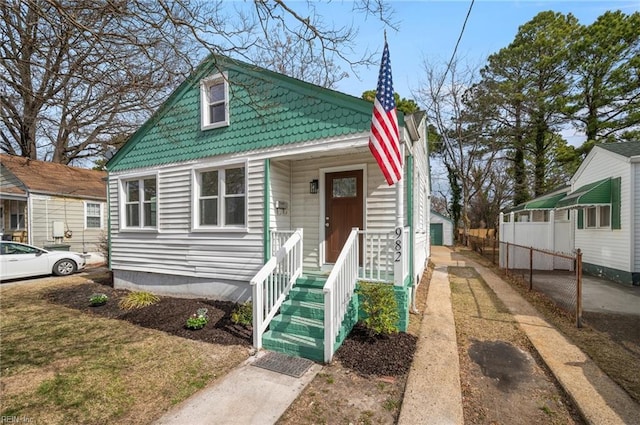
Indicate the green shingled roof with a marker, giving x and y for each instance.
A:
(266, 110)
(627, 149)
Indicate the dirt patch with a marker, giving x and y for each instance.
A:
(502, 378)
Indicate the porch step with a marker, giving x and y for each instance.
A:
(296, 345)
(311, 281)
(297, 325)
(308, 309)
(298, 293)
(298, 329)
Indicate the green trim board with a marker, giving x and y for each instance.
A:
(596, 193)
(266, 110)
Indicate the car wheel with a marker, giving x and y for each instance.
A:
(64, 267)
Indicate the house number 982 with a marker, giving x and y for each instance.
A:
(398, 245)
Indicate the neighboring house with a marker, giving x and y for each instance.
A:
(537, 224)
(441, 229)
(52, 205)
(605, 192)
(240, 160)
(599, 214)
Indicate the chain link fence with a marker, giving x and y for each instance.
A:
(555, 274)
(487, 246)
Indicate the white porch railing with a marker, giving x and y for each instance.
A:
(338, 291)
(273, 282)
(278, 238)
(385, 256)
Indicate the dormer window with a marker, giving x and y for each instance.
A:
(214, 95)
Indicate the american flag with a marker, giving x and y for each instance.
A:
(384, 141)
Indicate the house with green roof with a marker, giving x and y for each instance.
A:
(248, 184)
(602, 205)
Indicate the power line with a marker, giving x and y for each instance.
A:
(455, 50)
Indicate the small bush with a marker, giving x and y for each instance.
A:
(138, 300)
(243, 314)
(378, 302)
(98, 299)
(198, 319)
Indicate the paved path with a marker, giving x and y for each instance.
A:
(598, 398)
(248, 395)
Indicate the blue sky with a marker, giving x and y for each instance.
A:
(429, 30)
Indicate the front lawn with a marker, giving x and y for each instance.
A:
(60, 365)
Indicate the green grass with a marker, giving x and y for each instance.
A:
(63, 366)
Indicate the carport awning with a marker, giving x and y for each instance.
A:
(546, 202)
(596, 193)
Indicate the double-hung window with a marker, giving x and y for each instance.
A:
(598, 217)
(214, 104)
(93, 215)
(220, 197)
(140, 203)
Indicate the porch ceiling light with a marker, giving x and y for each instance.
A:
(313, 186)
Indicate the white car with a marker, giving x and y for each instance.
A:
(21, 260)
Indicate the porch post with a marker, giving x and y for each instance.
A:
(399, 251)
(266, 211)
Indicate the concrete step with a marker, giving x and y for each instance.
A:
(311, 281)
(315, 295)
(308, 309)
(297, 325)
(295, 345)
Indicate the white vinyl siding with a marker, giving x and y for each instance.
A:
(379, 208)
(175, 249)
(280, 192)
(421, 206)
(635, 209)
(605, 246)
(71, 212)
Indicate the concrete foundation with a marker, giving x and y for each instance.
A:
(182, 286)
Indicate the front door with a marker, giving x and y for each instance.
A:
(343, 210)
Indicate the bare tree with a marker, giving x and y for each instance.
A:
(79, 75)
(465, 147)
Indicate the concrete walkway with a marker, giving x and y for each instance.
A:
(598, 398)
(432, 394)
(248, 395)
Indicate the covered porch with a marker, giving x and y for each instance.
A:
(332, 222)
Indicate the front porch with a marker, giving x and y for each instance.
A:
(309, 312)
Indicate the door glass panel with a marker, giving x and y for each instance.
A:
(345, 187)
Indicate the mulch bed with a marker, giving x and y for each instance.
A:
(382, 356)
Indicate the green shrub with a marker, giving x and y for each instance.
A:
(243, 314)
(198, 319)
(138, 300)
(97, 299)
(378, 302)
